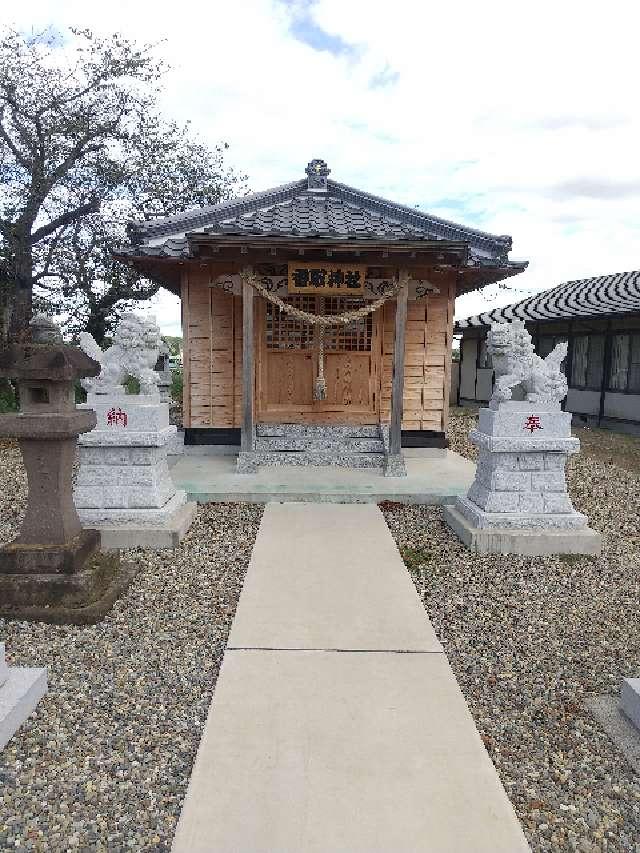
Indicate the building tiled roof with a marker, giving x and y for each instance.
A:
(618, 293)
(296, 210)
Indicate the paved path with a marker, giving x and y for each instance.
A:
(337, 723)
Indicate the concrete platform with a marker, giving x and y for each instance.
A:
(528, 543)
(337, 723)
(21, 690)
(433, 477)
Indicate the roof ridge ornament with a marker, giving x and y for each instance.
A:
(317, 173)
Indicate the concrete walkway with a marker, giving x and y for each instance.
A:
(337, 723)
(433, 477)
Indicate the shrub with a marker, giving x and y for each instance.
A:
(176, 385)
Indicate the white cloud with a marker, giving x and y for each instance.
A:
(516, 118)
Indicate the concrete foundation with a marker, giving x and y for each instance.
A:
(527, 542)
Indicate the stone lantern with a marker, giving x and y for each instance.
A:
(52, 570)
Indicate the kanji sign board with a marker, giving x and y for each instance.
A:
(327, 279)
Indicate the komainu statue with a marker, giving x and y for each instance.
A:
(518, 368)
(134, 352)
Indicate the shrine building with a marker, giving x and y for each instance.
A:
(317, 316)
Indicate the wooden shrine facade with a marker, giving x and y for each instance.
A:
(247, 361)
(359, 357)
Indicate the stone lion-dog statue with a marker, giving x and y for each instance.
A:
(518, 368)
(134, 352)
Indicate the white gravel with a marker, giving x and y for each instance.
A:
(104, 762)
(530, 638)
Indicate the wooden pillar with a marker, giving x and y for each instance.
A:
(397, 384)
(606, 368)
(247, 431)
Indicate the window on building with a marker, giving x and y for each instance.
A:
(633, 385)
(625, 363)
(619, 363)
(595, 363)
(579, 361)
(587, 363)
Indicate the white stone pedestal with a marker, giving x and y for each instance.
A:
(21, 689)
(518, 503)
(123, 487)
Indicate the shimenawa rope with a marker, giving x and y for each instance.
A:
(323, 320)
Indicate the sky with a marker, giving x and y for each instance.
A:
(516, 118)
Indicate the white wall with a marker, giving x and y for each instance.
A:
(583, 402)
(625, 406)
(468, 359)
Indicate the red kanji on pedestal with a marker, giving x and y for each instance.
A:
(116, 417)
(532, 422)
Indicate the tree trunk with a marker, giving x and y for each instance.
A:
(97, 325)
(21, 307)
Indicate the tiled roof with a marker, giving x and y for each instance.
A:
(618, 293)
(336, 212)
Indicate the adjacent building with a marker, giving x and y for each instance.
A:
(600, 319)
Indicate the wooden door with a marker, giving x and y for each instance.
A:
(288, 365)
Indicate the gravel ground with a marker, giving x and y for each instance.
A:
(530, 638)
(104, 762)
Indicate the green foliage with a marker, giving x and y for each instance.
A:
(414, 557)
(575, 559)
(176, 385)
(83, 150)
(80, 393)
(8, 400)
(132, 385)
(174, 343)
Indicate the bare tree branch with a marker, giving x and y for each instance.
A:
(67, 218)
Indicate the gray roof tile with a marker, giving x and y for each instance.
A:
(292, 210)
(618, 293)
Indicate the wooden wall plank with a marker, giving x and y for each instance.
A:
(449, 348)
(212, 331)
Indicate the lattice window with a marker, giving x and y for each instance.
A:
(285, 332)
(355, 337)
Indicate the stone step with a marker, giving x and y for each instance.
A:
(318, 458)
(276, 444)
(318, 431)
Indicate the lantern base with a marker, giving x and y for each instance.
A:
(83, 597)
(29, 559)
